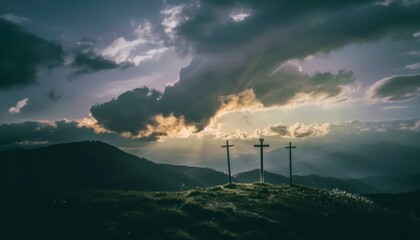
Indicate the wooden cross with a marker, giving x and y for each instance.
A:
(261, 146)
(227, 146)
(290, 160)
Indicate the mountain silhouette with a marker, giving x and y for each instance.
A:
(94, 164)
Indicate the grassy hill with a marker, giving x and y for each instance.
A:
(404, 202)
(96, 164)
(242, 211)
(92, 190)
(350, 185)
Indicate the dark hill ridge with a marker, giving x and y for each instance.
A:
(94, 164)
(97, 164)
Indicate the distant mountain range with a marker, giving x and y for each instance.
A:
(338, 160)
(94, 164)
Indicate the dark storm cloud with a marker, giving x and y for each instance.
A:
(398, 88)
(53, 96)
(240, 45)
(22, 54)
(210, 27)
(134, 111)
(196, 95)
(87, 61)
(293, 27)
(131, 112)
(283, 87)
(90, 62)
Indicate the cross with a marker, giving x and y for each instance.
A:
(290, 160)
(261, 146)
(227, 146)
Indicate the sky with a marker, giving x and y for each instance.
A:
(173, 80)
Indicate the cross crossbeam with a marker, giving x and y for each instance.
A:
(290, 160)
(227, 146)
(262, 146)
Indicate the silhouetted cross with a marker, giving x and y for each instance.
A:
(290, 160)
(262, 146)
(227, 146)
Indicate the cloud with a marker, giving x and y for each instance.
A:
(289, 85)
(195, 100)
(53, 96)
(86, 60)
(286, 23)
(19, 106)
(413, 66)
(297, 130)
(415, 127)
(394, 107)
(152, 54)
(89, 62)
(249, 63)
(172, 16)
(413, 53)
(11, 17)
(121, 50)
(394, 89)
(22, 54)
(50, 132)
(239, 15)
(145, 46)
(130, 113)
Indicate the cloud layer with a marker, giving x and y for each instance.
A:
(248, 60)
(393, 89)
(294, 131)
(297, 130)
(195, 105)
(49, 132)
(19, 106)
(22, 54)
(86, 60)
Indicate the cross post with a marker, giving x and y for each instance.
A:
(227, 146)
(262, 146)
(290, 160)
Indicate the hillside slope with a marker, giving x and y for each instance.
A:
(96, 164)
(242, 211)
(350, 185)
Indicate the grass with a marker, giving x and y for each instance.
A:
(240, 211)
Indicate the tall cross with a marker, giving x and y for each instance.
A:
(290, 160)
(227, 146)
(261, 146)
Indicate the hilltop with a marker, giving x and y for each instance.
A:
(241, 211)
(350, 185)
